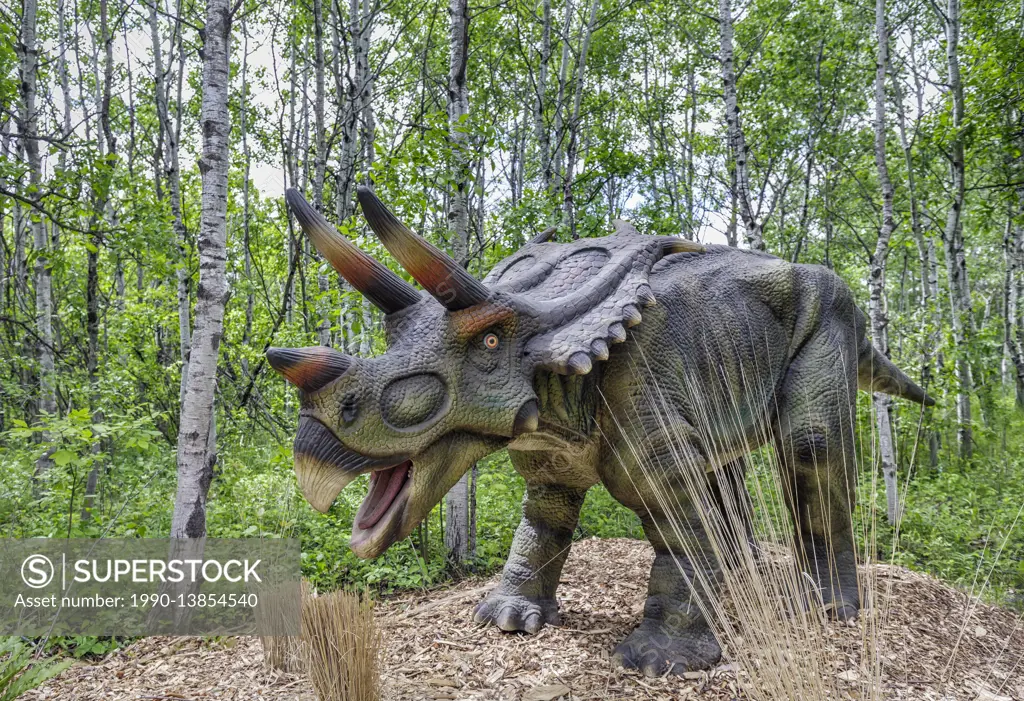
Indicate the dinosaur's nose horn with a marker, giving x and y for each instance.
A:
(527, 419)
(309, 369)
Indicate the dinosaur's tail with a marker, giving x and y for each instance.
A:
(876, 373)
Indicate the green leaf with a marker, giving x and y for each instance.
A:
(63, 457)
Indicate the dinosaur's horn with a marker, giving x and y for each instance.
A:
(386, 290)
(309, 369)
(441, 276)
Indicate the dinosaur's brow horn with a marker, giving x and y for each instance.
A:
(441, 276)
(381, 286)
(545, 236)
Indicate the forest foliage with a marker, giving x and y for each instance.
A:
(578, 113)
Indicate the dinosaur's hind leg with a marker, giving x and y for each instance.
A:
(815, 444)
(729, 489)
(674, 634)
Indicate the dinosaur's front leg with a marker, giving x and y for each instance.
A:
(674, 634)
(525, 599)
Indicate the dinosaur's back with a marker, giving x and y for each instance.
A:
(726, 325)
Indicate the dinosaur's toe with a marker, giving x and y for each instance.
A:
(512, 612)
(654, 651)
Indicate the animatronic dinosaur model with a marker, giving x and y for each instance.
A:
(551, 358)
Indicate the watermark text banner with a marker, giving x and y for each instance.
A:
(149, 586)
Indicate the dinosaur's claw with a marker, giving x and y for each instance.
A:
(513, 612)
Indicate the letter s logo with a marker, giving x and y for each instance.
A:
(37, 571)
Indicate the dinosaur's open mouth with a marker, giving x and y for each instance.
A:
(385, 486)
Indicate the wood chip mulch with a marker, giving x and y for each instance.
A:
(433, 650)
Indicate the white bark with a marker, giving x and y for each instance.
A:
(101, 203)
(63, 75)
(956, 264)
(243, 114)
(539, 128)
(170, 131)
(691, 138)
(319, 128)
(456, 533)
(878, 303)
(574, 124)
(320, 160)
(1015, 310)
(1009, 300)
(369, 126)
(28, 128)
(458, 113)
(366, 330)
(196, 434)
(349, 109)
(357, 98)
(734, 130)
(555, 166)
(926, 261)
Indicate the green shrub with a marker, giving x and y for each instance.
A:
(19, 673)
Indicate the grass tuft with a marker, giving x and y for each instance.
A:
(342, 646)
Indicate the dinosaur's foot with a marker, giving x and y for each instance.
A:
(516, 612)
(838, 604)
(653, 650)
(837, 597)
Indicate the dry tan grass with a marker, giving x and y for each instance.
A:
(755, 605)
(342, 646)
(284, 653)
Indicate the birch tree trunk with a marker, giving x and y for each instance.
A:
(196, 434)
(734, 130)
(368, 134)
(956, 264)
(319, 100)
(1010, 300)
(173, 173)
(349, 109)
(369, 125)
(320, 160)
(243, 115)
(1015, 313)
(107, 149)
(555, 165)
(574, 124)
(926, 261)
(878, 304)
(457, 537)
(171, 133)
(690, 173)
(63, 75)
(539, 128)
(28, 121)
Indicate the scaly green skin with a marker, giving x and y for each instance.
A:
(741, 347)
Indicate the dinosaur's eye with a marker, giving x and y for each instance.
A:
(491, 341)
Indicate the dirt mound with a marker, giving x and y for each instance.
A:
(435, 651)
